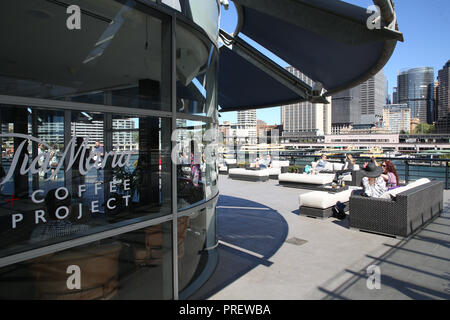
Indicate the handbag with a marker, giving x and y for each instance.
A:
(339, 211)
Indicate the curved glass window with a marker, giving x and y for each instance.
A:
(71, 174)
(112, 268)
(197, 236)
(87, 129)
(204, 13)
(197, 164)
(114, 58)
(196, 74)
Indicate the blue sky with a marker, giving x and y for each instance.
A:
(425, 25)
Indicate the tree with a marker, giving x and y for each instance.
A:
(424, 128)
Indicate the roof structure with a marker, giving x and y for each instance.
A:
(336, 44)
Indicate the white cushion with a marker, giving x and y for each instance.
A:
(279, 164)
(320, 179)
(274, 171)
(338, 166)
(230, 161)
(256, 173)
(322, 199)
(347, 177)
(329, 166)
(356, 167)
(396, 191)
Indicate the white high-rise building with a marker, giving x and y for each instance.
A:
(397, 118)
(247, 125)
(305, 117)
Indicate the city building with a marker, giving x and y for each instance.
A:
(397, 118)
(443, 92)
(372, 98)
(375, 128)
(361, 105)
(247, 125)
(346, 109)
(305, 117)
(443, 99)
(415, 88)
(395, 96)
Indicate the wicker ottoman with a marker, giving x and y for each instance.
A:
(318, 204)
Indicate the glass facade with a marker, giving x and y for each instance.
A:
(415, 87)
(108, 177)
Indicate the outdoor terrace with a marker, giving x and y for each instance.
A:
(268, 251)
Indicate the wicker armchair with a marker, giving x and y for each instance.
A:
(401, 216)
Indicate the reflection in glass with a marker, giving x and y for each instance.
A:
(199, 237)
(196, 75)
(197, 168)
(95, 69)
(112, 268)
(70, 173)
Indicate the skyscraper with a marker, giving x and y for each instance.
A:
(346, 107)
(246, 118)
(372, 98)
(395, 96)
(362, 104)
(246, 122)
(305, 117)
(415, 88)
(443, 91)
(443, 99)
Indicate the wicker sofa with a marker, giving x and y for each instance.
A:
(401, 212)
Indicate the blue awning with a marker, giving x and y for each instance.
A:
(251, 87)
(327, 40)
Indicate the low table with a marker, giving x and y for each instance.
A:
(319, 204)
(329, 188)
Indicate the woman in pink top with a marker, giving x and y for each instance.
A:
(390, 175)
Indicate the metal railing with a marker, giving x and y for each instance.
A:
(408, 169)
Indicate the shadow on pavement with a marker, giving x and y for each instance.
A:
(249, 234)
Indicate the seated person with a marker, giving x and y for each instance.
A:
(390, 175)
(348, 167)
(265, 162)
(320, 165)
(373, 184)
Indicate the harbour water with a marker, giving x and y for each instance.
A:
(408, 169)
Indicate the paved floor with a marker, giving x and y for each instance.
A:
(268, 251)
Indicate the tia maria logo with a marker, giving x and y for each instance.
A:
(41, 162)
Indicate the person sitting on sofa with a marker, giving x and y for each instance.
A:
(373, 184)
(265, 162)
(348, 167)
(390, 175)
(320, 165)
